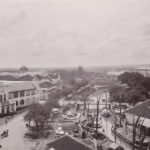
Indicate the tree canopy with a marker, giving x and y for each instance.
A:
(39, 115)
(139, 87)
(23, 69)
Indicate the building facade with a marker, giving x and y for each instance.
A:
(16, 96)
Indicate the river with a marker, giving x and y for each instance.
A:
(107, 122)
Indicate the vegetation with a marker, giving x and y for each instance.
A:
(38, 115)
(23, 69)
(139, 87)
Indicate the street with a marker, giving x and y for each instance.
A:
(16, 139)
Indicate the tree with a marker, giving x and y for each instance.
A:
(133, 96)
(38, 115)
(23, 69)
(117, 93)
(80, 71)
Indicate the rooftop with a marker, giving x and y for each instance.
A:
(27, 85)
(142, 110)
(68, 143)
(46, 85)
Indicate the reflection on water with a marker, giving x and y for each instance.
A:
(107, 124)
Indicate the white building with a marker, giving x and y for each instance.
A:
(143, 111)
(6, 106)
(17, 95)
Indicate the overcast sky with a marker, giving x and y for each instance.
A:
(58, 33)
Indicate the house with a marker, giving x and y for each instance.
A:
(6, 106)
(68, 143)
(17, 95)
(44, 86)
(23, 94)
(143, 111)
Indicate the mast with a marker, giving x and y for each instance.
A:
(97, 115)
(115, 128)
(106, 99)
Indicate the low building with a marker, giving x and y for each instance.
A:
(44, 86)
(23, 94)
(6, 106)
(68, 143)
(143, 111)
(17, 95)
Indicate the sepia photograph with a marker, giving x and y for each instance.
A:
(74, 74)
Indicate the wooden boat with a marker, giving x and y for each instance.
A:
(143, 146)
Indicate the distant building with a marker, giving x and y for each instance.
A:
(144, 71)
(44, 86)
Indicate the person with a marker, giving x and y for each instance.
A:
(6, 122)
(7, 131)
(27, 125)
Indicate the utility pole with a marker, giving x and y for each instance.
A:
(120, 108)
(97, 115)
(134, 130)
(133, 145)
(84, 109)
(115, 127)
(106, 99)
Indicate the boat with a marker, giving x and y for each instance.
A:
(143, 146)
(107, 144)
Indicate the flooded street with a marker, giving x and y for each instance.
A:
(107, 125)
(16, 139)
(107, 122)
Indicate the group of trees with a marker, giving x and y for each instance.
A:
(138, 88)
(38, 115)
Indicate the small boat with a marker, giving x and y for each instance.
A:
(143, 146)
(106, 113)
(107, 144)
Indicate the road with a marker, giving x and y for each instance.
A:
(16, 139)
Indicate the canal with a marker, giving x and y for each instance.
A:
(106, 122)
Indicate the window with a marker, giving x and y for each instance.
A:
(0, 98)
(16, 103)
(3, 109)
(15, 94)
(4, 97)
(22, 102)
(27, 93)
(12, 107)
(32, 92)
(22, 93)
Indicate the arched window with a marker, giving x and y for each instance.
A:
(16, 103)
(22, 102)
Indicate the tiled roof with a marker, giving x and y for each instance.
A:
(46, 85)
(142, 110)
(68, 143)
(27, 85)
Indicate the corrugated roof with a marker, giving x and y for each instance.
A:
(68, 143)
(46, 85)
(27, 85)
(142, 110)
